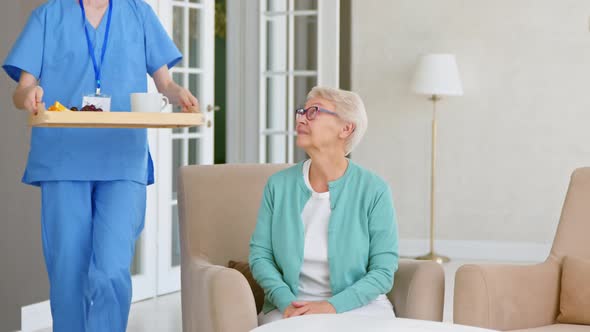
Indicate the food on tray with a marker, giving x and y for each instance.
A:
(57, 107)
(90, 108)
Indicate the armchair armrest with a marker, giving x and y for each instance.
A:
(507, 297)
(215, 299)
(418, 290)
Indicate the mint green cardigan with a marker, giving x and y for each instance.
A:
(362, 238)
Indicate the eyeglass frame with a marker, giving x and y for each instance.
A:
(299, 112)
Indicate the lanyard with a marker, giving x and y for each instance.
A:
(91, 47)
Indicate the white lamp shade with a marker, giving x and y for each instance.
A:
(437, 74)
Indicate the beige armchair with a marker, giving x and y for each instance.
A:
(218, 206)
(512, 297)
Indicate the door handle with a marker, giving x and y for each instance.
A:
(213, 108)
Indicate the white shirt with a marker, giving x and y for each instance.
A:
(314, 279)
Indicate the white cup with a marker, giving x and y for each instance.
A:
(148, 102)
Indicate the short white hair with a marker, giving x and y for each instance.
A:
(350, 108)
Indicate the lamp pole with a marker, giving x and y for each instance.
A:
(432, 256)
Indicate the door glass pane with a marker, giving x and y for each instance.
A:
(306, 4)
(193, 151)
(175, 237)
(276, 103)
(305, 52)
(276, 148)
(177, 149)
(194, 86)
(276, 5)
(178, 30)
(194, 38)
(276, 43)
(303, 84)
(302, 87)
(179, 79)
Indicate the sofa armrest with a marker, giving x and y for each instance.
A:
(215, 299)
(418, 290)
(507, 297)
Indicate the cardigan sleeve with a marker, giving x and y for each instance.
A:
(262, 264)
(383, 258)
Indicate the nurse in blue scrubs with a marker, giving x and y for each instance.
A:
(93, 181)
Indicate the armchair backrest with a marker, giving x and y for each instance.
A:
(571, 238)
(218, 207)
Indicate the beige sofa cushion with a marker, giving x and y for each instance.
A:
(557, 328)
(575, 291)
(258, 292)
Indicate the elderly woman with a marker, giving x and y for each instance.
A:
(326, 235)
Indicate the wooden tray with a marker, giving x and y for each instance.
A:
(71, 119)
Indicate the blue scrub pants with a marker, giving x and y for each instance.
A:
(89, 231)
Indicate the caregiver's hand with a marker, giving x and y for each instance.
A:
(184, 99)
(175, 93)
(27, 94)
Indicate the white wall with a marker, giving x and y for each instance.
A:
(508, 146)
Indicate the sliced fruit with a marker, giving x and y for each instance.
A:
(57, 107)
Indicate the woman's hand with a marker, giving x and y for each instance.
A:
(298, 308)
(27, 94)
(183, 98)
(293, 311)
(175, 93)
(34, 96)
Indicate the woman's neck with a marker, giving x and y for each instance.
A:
(326, 168)
(95, 10)
(96, 4)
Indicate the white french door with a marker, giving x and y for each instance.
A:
(298, 49)
(190, 24)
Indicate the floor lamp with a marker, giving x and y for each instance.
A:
(436, 76)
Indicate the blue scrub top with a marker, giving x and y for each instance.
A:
(53, 48)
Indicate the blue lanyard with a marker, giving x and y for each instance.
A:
(91, 47)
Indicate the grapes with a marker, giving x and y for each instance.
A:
(91, 108)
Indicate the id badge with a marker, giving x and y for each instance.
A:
(102, 102)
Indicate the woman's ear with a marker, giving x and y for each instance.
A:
(347, 130)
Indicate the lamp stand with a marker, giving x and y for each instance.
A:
(432, 256)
